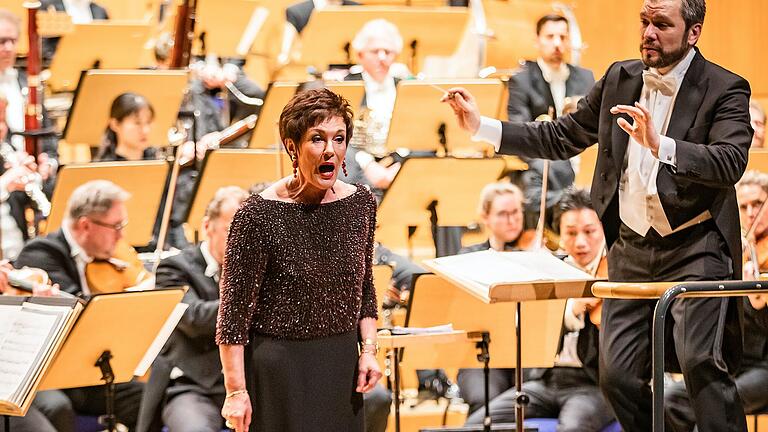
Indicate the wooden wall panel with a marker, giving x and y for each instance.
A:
(734, 36)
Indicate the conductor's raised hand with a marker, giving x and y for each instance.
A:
(465, 107)
(643, 130)
(237, 412)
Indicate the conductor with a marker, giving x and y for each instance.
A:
(673, 133)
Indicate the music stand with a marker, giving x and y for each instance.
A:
(266, 134)
(226, 25)
(97, 88)
(233, 167)
(319, 47)
(114, 331)
(144, 180)
(436, 301)
(110, 44)
(428, 192)
(433, 126)
(353, 91)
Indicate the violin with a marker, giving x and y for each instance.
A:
(122, 270)
(595, 313)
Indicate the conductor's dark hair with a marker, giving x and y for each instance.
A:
(310, 108)
(549, 18)
(693, 12)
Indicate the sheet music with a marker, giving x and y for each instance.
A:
(8, 314)
(445, 328)
(490, 267)
(160, 339)
(23, 347)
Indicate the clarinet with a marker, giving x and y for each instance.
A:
(34, 185)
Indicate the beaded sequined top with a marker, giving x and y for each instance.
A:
(298, 271)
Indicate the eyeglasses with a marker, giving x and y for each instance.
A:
(117, 227)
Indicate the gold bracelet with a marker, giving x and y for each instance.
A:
(367, 342)
(235, 393)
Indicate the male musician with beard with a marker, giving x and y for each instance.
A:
(752, 377)
(539, 86)
(94, 221)
(668, 209)
(13, 83)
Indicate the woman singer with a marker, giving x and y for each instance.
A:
(297, 286)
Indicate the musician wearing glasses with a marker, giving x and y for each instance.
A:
(13, 84)
(94, 221)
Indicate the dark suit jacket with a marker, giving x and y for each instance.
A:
(191, 346)
(50, 44)
(710, 125)
(529, 97)
(52, 254)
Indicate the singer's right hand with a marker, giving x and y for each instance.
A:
(237, 412)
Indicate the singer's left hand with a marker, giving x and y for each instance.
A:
(643, 130)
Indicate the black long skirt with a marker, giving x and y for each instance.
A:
(304, 386)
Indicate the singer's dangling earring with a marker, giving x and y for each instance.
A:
(344, 167)
(295, 167)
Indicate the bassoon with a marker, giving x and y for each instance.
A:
(183, 34)
(33, 112)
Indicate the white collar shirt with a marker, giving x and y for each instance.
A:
(556, 78)
(79, 256)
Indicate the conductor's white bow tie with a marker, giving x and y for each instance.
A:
(666, 84)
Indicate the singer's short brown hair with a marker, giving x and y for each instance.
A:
(310, 108)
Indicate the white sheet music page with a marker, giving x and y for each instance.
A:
(490, 267)
(24, 347)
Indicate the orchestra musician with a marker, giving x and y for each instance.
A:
(14, 85)
(95, 218)
(14, 178)
(377, 45)
(568, 391)
(501, 212)
(757, 120)
(752, 192)
(752, 377)
(186, 388)
(297, 286)
(669, 211)
(536, 89)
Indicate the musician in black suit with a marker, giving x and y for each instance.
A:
(663, 188)
(187, 376)
(94, 222)
(81, 11)
(538, 87)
